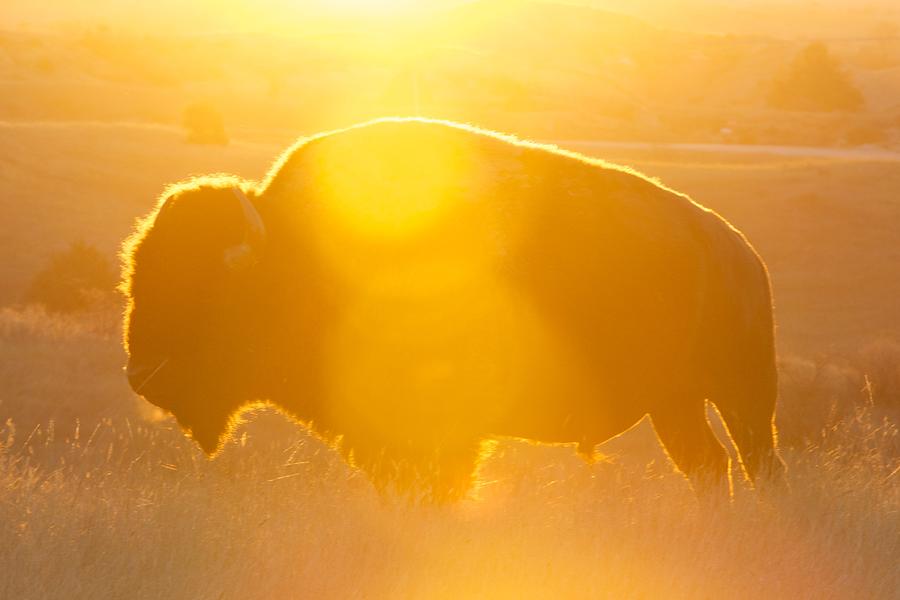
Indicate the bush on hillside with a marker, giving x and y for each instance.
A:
(866, 134)
(76, 279)
(815, 81)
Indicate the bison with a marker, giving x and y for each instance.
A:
(409, 288)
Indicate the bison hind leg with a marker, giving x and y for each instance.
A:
(749, 419)
(689, 441)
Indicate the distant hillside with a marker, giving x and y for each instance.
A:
(777, 18)
(788, 19)
(541, 69)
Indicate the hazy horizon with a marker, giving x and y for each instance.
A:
(210, 16)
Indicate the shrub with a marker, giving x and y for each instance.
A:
(866, 133)
(76, 279)
(815, 81)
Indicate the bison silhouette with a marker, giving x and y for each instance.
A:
(409, 288)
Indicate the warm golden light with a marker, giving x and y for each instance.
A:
(356, 288)
(408, 201)
(400, 198)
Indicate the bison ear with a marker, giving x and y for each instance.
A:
(250, 249)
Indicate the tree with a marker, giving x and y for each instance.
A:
(815, 81)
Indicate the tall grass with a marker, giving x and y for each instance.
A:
(122, 506)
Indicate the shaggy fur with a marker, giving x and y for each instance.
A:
(426, 286)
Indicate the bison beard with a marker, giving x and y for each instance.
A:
(409, 289)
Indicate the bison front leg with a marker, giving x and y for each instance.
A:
(685, 434)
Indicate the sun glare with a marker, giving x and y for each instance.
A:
(410, 201)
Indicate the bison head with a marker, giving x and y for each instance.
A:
(186, 281)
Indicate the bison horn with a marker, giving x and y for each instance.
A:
(248, 250)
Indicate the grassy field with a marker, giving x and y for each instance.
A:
(100, 497)
(126, 507)
(130, 510)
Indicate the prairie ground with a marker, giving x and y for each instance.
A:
(125, 507)
(100, 497)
